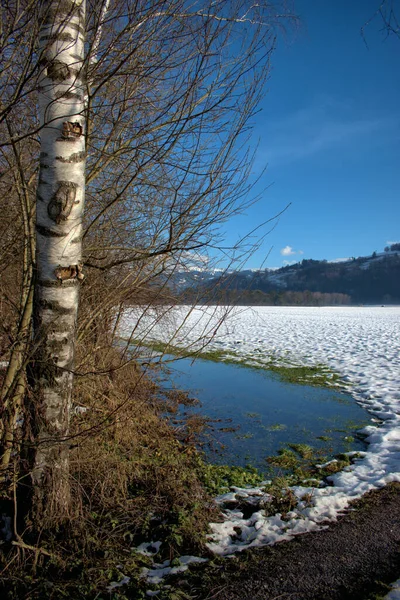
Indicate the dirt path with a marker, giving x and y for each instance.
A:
(350, 560)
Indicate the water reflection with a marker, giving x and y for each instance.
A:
(254, 414)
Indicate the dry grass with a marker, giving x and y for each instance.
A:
(128, 462)
(132, 480)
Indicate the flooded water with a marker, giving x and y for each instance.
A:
(254, 414)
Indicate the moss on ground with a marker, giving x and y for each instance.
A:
(319, 375)
(220, 478)
(316, 375)
(301, 464)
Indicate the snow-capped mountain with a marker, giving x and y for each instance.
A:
(368, 279)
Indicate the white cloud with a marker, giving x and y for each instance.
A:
(288, 251)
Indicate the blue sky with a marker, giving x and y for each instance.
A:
(329, 133)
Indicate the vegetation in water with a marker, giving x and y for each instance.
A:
(301, 464)
(276, 427)
(316, 375)
(220, 478)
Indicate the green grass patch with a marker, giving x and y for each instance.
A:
(317, 375)
(298, 464)
(218, 479)
(276, 427)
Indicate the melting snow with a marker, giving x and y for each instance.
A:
(156, 574)
(148, 548)
(362, 344)
(117, 584)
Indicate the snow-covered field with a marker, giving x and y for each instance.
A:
(362, 344)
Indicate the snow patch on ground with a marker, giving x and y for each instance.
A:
(362, 344)
(156, 574)
(116, 584)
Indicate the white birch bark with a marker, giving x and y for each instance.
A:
(60, 202)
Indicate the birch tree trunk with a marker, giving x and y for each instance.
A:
(60, 201)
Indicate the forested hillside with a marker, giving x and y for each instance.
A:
(371, 279)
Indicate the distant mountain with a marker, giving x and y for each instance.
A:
(371, 279)
(192, 278)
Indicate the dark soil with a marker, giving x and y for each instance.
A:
(355, 558)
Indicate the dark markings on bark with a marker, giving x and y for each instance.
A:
(57, 70)
(61, 388)
(57, 37)
(62, 71)
(64, 8)
(69, 96)
(53, 414)
(68, 367)
(72, 129)
(62, 139)
(76, 240)
(74, 158)
(43, 155)
(77, 28)
(44, 166)
(77, 57)
(60, 378)
(61, 204)
(46, 370)
(57, 345)
(69, 272)
(47, 232)
(38, 196)
(56, 307)
(60, 326)
(49, 283)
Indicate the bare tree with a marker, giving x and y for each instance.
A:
(157, 98)
(59, 212)
(387, 13)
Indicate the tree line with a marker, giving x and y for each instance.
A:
(311, 282)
